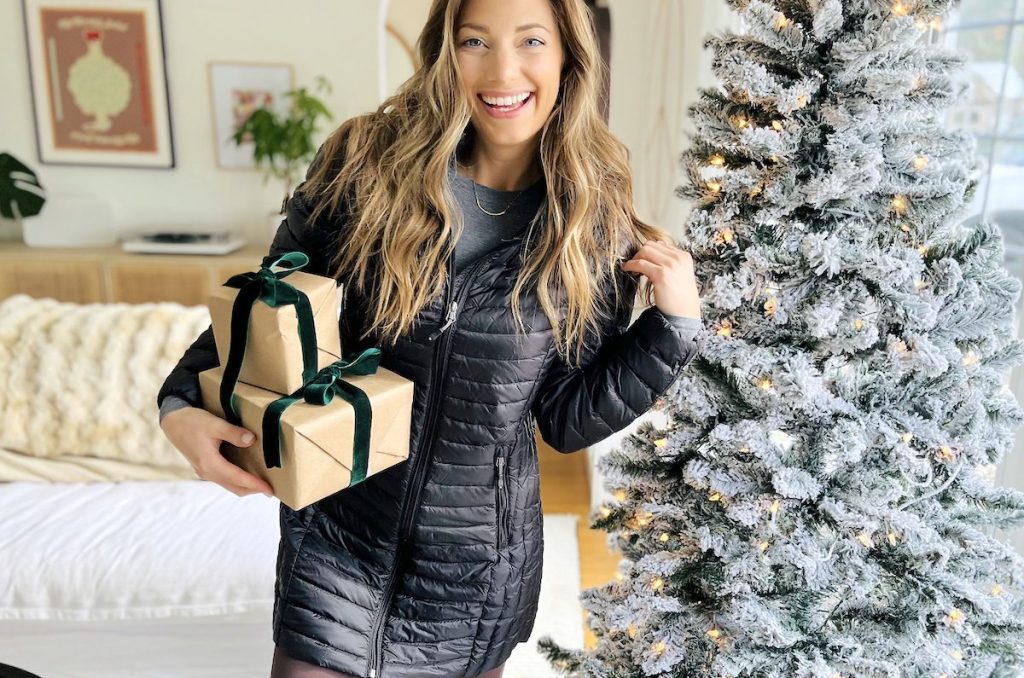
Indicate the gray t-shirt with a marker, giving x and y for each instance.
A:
(481, 233)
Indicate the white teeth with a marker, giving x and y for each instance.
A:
(506, 101)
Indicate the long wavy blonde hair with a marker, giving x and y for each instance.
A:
(390, 169)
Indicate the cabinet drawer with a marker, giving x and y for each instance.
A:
(135, 283)
(76, 281)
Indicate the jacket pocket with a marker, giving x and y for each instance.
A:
(501, 498)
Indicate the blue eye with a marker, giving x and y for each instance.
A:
(537, 39)
(468, 39)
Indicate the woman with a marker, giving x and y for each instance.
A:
(482, 221)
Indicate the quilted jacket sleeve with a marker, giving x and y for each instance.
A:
(293, 234)
(618, 380)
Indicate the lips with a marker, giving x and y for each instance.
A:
(507, 108)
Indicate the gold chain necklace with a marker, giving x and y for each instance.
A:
(477, 197)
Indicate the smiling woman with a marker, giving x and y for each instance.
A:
(433, 566)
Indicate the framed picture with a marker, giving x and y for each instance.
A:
(236, 90)
(99, 82)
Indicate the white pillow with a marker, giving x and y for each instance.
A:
(134, 550)
(80, 380)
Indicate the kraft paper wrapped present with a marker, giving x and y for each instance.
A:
(315, 442)
(276, 328)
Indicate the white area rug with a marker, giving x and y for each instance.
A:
(559, 613)
(178, 645)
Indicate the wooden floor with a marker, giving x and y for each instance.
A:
(565, 488)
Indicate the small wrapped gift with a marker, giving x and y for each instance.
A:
(353, 419)
(276, 328)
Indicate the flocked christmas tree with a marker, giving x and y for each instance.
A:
(819, 499)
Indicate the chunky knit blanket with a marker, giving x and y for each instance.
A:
(79, 381)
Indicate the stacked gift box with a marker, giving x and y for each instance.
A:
(323, 422)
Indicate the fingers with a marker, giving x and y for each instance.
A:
(235, 478)
(236, 435)
(241, 482)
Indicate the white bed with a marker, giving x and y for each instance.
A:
(175, 578)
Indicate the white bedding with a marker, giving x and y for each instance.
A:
(159, 579)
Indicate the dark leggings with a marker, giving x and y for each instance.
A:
(287, 667)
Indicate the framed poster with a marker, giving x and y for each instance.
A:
(236, 90)
(99, 82)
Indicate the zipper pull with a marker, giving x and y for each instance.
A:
(501, 472)
(449, 319)
(373, 673)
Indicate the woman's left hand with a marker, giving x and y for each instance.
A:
(670, 270)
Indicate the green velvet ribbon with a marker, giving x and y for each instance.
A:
(268, 286)
(321, 390)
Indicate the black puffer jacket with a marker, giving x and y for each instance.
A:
(433, 566)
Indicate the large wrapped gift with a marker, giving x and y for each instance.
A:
(277, 326)
(351, 421)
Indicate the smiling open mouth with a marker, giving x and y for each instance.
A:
(506, 109)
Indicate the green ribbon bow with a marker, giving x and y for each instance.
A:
(269, 287)
(321, 390)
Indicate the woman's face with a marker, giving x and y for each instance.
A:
(509, 52)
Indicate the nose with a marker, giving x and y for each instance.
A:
(504, 66)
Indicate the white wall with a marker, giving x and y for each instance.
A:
(336, 38)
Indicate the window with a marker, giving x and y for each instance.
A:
(991, 33)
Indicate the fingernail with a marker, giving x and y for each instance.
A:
(247, 438)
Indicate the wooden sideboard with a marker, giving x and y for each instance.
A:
(109, 274)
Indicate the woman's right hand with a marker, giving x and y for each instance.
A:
(197, 434)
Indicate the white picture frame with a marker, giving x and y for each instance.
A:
(237, 88)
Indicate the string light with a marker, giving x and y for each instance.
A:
(755, 191)
(865, 539)
(936, 23)
(727, 235)
(892, 538)
(905, 227)
(771, 305)
(744, 449)
(724, 328)
(714, 186)
(997, 590)
(605, 511)
(953, 617)
(660, 442)
(775, 507)
(945, 453)
(777, 125)
(714, 496)
(918, 284)
(717, 160)
(781, 21)
(918, 81)
(920, 162)
(741, 121)
(631, 630)
(957, 655)
(657, 583)
(620, 495)
(922, 250)
(900, 8)
(619, 576)
(907, 437)
(970, 358)
(663, 537)
(802, 100)
(899, 204)
(763, 546)
(858, 323)
(659, 646)
(714, 633)
(764, 383)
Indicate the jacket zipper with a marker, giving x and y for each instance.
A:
(439, 368)
(502, 501)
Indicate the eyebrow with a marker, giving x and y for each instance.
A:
(484, 29)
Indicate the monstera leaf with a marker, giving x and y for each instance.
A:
(21, 194)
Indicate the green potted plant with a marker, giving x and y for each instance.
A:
(283, 145)
(21, 194)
